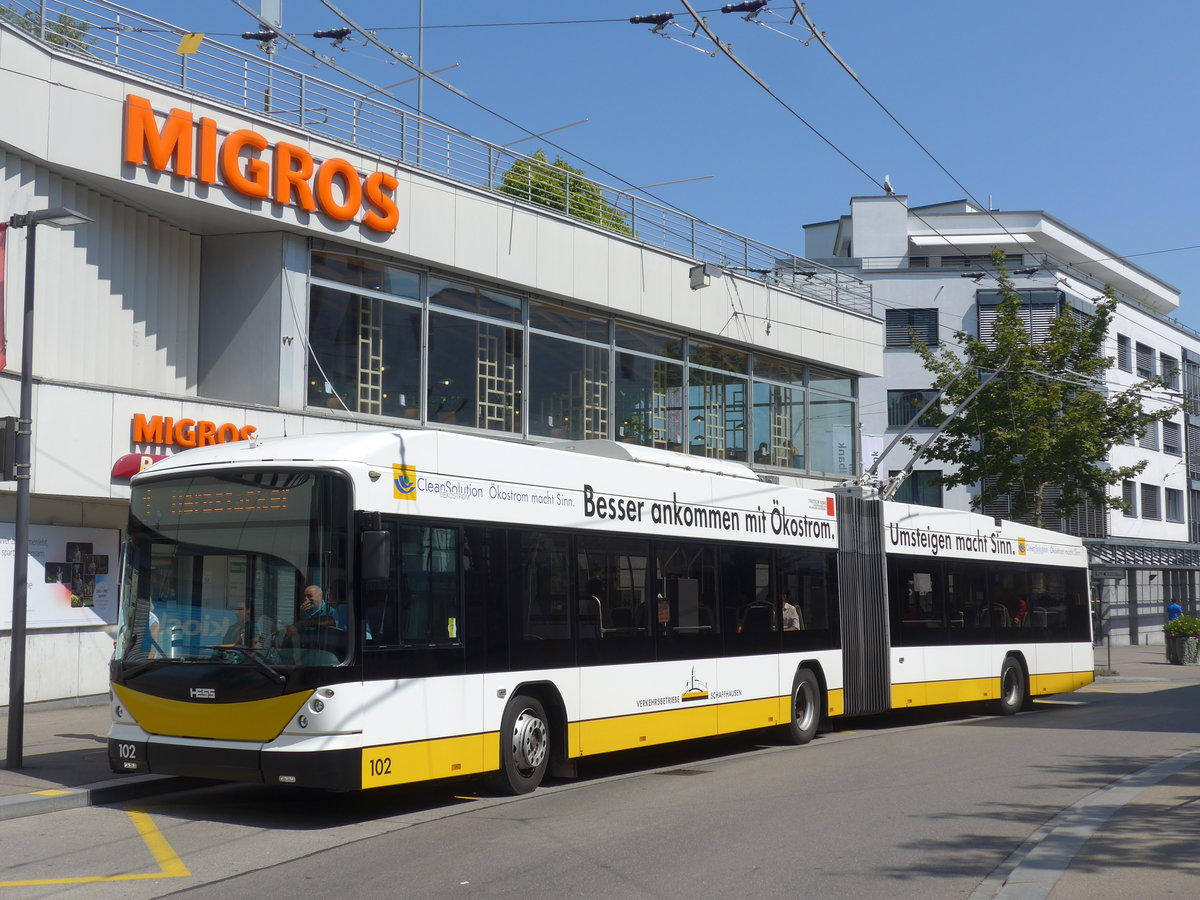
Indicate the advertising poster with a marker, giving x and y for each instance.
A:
(72, 576)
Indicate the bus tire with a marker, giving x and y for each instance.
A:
(1012, 688)
(524, 747)
(805, 708)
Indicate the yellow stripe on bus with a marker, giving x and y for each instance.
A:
(685, 723)
(1058, 683)
(252, 720)
(966, 690)
(426, 760)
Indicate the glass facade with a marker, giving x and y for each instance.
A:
(403, 344)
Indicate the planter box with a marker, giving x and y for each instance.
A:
(1183, 651)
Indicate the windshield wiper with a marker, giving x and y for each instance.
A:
(148, 661)
(248, 653)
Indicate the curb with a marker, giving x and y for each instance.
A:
(116, 790)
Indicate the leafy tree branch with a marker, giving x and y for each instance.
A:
(1049, 421)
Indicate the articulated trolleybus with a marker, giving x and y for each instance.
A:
(359, 610)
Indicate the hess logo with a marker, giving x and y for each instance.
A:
(203, 693)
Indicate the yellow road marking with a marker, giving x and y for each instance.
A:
(170, 865)
(51, 793)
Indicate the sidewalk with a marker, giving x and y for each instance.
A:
(1144, 663)
(66, 762)
(66, 755)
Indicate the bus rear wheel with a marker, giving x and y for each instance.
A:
(806, 708)
(524, 747)
(1012, 688)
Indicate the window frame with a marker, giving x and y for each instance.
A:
(1124, 353)
(1151, 497)
(920, 324)
(1173, 505)
(1129, 494)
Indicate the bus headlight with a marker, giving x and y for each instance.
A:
(317, 704)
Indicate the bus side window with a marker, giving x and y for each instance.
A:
(380, 602)
(546, 615)
(430, 599)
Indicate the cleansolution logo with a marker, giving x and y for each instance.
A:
(404, 482)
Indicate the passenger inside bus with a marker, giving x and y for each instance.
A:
(791, 616)
(314, 628)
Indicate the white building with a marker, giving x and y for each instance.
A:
(931, 269)
(274, 254)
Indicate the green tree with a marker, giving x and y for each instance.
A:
(64, 31)
(558, 185)
(1047, 420)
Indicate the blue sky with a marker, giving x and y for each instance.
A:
(1086, 110)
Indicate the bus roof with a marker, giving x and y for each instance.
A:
(383, 447)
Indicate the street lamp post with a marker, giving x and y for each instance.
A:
(59, 217)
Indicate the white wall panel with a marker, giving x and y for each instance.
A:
(515, 235)
(590, 258)
(555, 270)
(117, 300)
(475, 234)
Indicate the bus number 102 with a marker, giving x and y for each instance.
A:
(381, 767)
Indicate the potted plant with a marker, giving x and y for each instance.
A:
(1183, 641)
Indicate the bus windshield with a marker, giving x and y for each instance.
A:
(241, 568)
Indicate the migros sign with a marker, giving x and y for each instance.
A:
(164, 431)
(248, 163)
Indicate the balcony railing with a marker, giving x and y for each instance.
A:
(132, 42)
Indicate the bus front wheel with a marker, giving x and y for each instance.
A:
(524, 747)
(806, 708)
(1012, 688)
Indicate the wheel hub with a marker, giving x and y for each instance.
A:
(530, 741)
(804, 705)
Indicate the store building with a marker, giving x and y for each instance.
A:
(931, 269)
(273, 254)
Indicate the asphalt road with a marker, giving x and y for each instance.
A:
(929, 804)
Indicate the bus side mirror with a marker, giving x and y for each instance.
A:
(376, 555)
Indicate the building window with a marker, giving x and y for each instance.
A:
(778, 395)
(1168, 367)
(1174, 505)
(1171, 439)
(400, 344)
(1039, 309)
(1145, 361)
(924, 487)
(1150, 496)
(1191, 386)
(979, 261)
(1149, 437)
(476, 347)
(569, 379)
(1129, 496)
(831, 434)
(906, 326)
(1124, 354)
(903, 405)
(717, 389)
(648, 390)
(365, 344)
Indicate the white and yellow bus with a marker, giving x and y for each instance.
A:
(357, 610)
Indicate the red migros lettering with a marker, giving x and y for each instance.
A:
(165, 431)
(248, 163)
